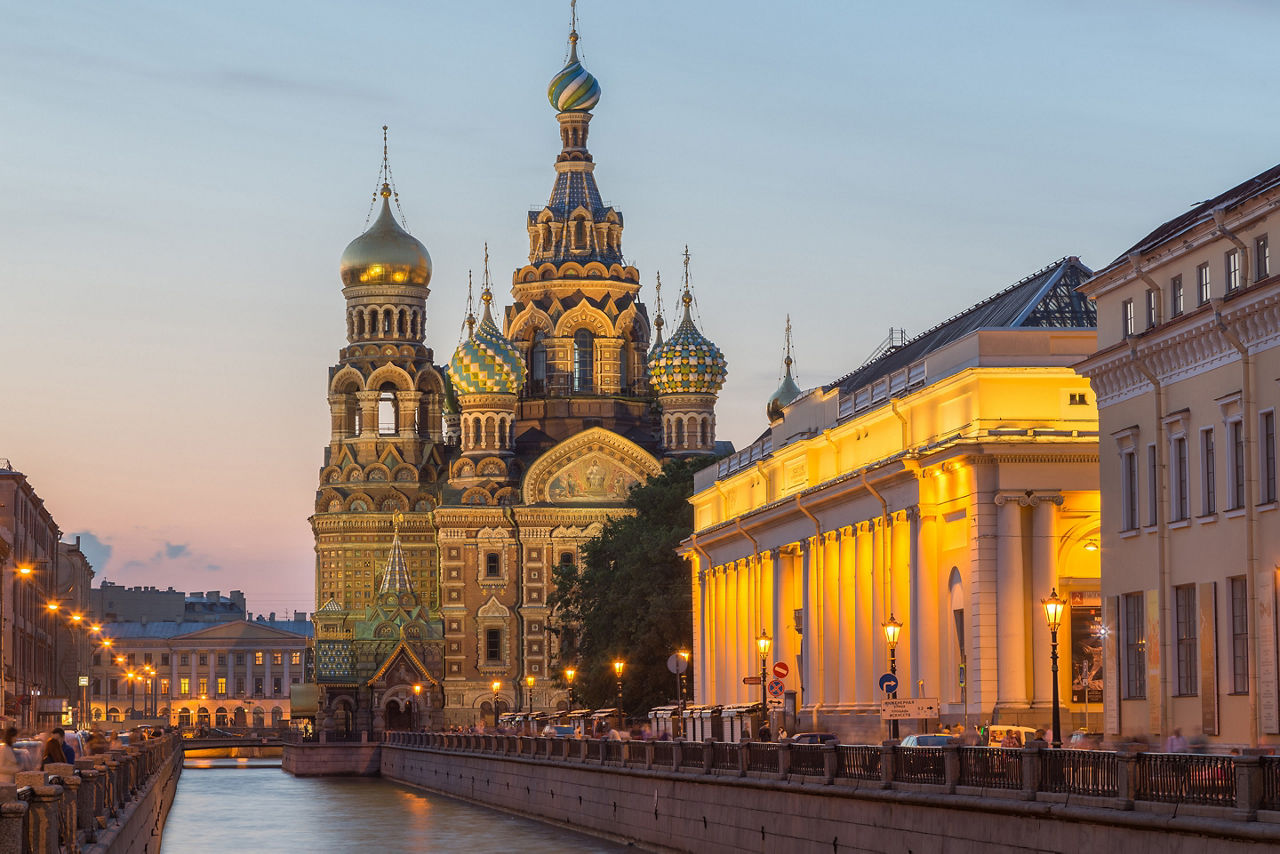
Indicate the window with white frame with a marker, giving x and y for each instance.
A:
(1239, 635)
(1153, 304)
(1126, 317)
(1208, 474)
(1153, 487)
(1129, 490)
(1179, 500)
(1135, 652)
(1261, 258)
(1267, 457)
(1202, 284)
(1235, 472)
(1184, 600)
(1175, 296)
(1231, 266)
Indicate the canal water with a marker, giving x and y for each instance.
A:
(252, 805)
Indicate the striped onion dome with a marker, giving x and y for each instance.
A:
(688, 363)
(487, 363)
(573, 90)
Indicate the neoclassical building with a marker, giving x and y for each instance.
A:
(1185, 373)
(948, 484)
(498, 465)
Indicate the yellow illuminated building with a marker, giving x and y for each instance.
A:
(949, 484)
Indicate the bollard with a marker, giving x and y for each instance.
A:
(951, 766)
(13, 815)
(90, 801)
(887, 757)
(112, 774)
(648, 755)
(830, 762)
(1248, 787)
(744, 757)
(63, 774)
(784, 758)
(43, 820)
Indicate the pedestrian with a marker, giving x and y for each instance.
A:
(67, 750)
(970, 737)
(52, 752)
(1011, 739)
(1176, 743)
(1198, 743)
(1039, 735)
(765, 733)
(9, 764)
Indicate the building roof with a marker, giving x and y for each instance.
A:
(1259, 183)
(1045, 299)
(161, 629)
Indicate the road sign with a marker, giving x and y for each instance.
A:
(84, 682)
(677, 663)
(750, 680)
(776, 688)
(897, 710)
(780, 669)
(775, 704)
(888, 683)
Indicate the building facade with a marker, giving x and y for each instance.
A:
(114, 602)
(949, 484)
(500, 464)
(1189, 349)
(44, 594)
(240, 673)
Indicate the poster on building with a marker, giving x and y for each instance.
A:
(1086, 646)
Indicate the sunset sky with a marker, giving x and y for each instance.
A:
(178, 180)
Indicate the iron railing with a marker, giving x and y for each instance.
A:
(1181, 778)
(691, 754)
(663, 754)
(991, 767)
(762, 758)
(858, 762)
(1270, 783)
(1079, 772)
(724, 756)
(919, 765)
(807, 759)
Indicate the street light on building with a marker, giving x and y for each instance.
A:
(528, 684)
(618, 665)
(762, 644)
(1053, 616)
(413, 708)
(495, 686)
(684, 656)
(892, 628)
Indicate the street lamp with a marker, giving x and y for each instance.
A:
(892, 628)
(684, 655)
(569, 673)
(617, 671)
(762, 643)
(413, 709)
(528, 684)
(495, 686)
(1053, 616)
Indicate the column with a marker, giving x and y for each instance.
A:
(287, 658)
(936, 667)
(1010, 604)
(213, 681)
(368, 413)
(831, 618)
(266, 677)
(1044, 578)
(231, 681)
(847, 657)
(698, 598)
(808, 689)
(865, 625)
(722, 688)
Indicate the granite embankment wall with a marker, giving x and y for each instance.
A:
(335, 759)
(712, 812)
(114, 803)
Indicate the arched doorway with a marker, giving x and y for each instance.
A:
(259, 717)
(202, 717)
(239, 717)
(342, 721)
(220, 716)
(277, 717)
(184, 717)
(398, 715)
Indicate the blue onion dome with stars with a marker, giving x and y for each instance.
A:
(386, 253)
(486, 363)
(688, 363)
(573, 90)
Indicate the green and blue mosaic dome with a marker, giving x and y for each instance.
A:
(573, 90)
(486, 363)
(688, 363)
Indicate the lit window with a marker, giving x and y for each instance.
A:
(257, 658)
(295, 658)
(204, 685)
(222, 684)
(277, 658)
(185, 686)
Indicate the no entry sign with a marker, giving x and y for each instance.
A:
(780, 669)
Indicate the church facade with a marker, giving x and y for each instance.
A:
(449, 493)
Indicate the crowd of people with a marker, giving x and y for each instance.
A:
(34, 752)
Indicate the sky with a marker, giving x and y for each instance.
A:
(178, 182)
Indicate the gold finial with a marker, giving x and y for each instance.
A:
(471, 314)
(573, 32)
(788, 361)
(686, 297)
(657, 290)
(397, 519)
(387, 189)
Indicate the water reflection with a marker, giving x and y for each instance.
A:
(228, 804)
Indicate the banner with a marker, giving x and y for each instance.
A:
(1087, 668)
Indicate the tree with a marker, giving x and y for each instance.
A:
(629, 597)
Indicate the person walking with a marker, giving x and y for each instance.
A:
(765, 733)
(9, 764)
(52, 752)
(1176, 743)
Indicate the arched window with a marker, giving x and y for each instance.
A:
(679, 432)
(386, 322)
(706, 432)
(583, 360)
(387, 413)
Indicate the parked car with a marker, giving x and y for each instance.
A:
(558, 730)
(939, 739)
(814, 737)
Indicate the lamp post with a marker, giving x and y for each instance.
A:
(892, 628)
(413, 707)
(1053, 616)
(25, 572)
(495, 686)
(684, 655)
(102, 686)
(569, 673)
(762, 644)
(617, 671)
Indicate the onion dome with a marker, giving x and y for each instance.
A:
(688, 363)
(386, 253)
(486, 363)
(787, 390)
(573, 90)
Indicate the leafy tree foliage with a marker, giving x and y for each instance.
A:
(629, 598)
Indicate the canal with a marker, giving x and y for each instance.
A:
(252, 805)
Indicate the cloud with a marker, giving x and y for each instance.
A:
(173, 552)
(97, 551)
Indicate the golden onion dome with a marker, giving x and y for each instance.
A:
(386, 253)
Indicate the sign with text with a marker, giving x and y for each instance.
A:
(905, 709)
(750, 680)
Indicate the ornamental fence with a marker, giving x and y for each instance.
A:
(1232, 786)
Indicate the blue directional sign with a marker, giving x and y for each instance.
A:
(888, 683)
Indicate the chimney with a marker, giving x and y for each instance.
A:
(272, 618)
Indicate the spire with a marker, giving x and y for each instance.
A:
(395, 578)
(787, 361)
(388, 189)
(788, 390)
(658, 322)
(573, 31)
(471, 314)
(486, 294)
(687, 296)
